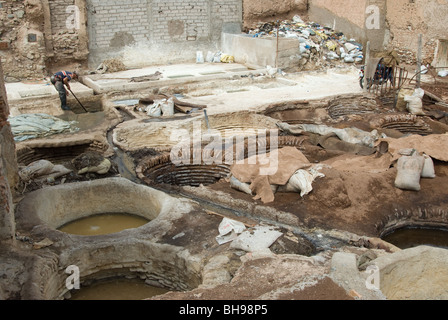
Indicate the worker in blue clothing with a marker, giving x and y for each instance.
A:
(61, 78)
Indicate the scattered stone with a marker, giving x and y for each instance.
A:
(42, 244)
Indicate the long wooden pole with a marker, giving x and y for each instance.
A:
(366, 64)
(276, 53)
(419, 60)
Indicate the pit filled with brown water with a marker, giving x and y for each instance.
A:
(117, 289)
(103, 224)
(409, 237)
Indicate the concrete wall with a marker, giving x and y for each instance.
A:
(8, 168)
(153, 31)
(260, 52)
(354, 19)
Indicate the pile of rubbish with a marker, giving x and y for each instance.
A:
(314, 38)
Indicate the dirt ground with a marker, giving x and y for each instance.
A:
(349, 198)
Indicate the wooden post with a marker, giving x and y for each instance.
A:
(419, 60)
(276, 53)
(366, 63)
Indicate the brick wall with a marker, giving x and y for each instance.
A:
(118, 23)
(177, 20)
(171, 29)
(66, 41)
(158, 21)
(59, 14)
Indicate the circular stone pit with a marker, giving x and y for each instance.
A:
(131, 253)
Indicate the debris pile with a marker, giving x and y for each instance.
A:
(316, 42)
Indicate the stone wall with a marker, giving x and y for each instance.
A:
(35, 37)
(64, 37)
(22, 48)
(8, 168)
(409, 18)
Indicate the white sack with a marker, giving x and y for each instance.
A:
(428, 168)
(240, 186)
(167, 107)
(409, 172)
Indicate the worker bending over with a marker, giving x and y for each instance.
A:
(61, 78)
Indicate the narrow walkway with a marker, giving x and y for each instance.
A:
(290, 87)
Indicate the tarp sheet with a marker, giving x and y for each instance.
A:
(37, 125)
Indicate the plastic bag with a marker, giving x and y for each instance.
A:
(217, 57)
(331, 45)
(102, 168)
(226, 58)
(349, 59)
(302, 181)
(419, 92)
(209, 57)
(332, 55)
(297, 19)
(409, 172)
(199, 57)
(271, 71)
(228, 225)
(154, 110)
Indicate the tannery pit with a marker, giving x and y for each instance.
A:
(259, 171)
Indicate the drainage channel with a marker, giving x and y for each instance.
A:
(320, 239)
(122, 159)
